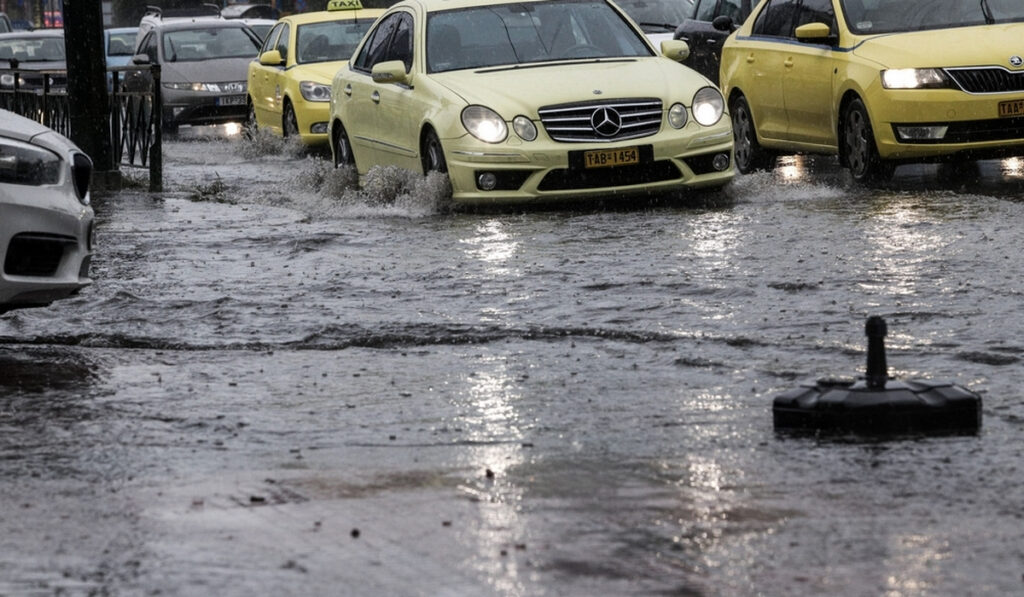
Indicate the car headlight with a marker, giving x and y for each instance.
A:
(315, 92)
(525, 128)
(24, 164)
(708, 106)
(914, 78)
(677, 116)
(484, 124)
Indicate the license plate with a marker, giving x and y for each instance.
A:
(605, 158)
(1011, 108)
(231, 100)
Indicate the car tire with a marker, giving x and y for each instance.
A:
(749, 155)
(250, 126)
(341, 148)
(289, 124)
(433, 154)
(859, 151)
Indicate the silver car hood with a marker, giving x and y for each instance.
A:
(23, 129)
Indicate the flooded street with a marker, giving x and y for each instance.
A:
(282, 385)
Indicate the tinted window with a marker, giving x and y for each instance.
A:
(189, 45)
(282, 42)
(777, 18)
(121, 44)
(376, 47)
(269, 41)
(331, 40)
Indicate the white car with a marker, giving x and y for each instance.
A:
(46, 224)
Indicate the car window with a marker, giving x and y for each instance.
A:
(282, 42)
(38, 49)
(330, 40)
(192, 45)
(376, 47)
(737, 9)
(657, 12)
(271, 39)
(121, 44)
(510, 34)
(816, 11)
(776, 18)
(148, 47)
(889, 16)
(706, 10)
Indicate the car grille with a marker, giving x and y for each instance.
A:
(35, 254)
(588, 122)
(987, 80)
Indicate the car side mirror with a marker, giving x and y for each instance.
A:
(724, 23)
(675, 49)
(392, 71)
(814, 33)
(271, 58)
(141, 59)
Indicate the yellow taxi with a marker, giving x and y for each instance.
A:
(290, 81)
(878, 82)
(530, 100)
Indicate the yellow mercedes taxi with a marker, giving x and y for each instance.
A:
(878, 82)
(290, 81)
(530, 100)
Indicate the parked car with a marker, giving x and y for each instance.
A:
(119, 46)
(290, 84)
(29, 54)
(203, 69)
(878, 82)
(46, 224)
(528, 101)
(658, 18)
(712, 22)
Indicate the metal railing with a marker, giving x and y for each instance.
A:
(135, 123)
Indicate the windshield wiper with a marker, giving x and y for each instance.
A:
(988, 12)
(665, 26)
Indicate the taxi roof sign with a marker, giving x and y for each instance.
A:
(344, 5)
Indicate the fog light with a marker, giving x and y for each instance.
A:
(486, 181)
(720, 161)
(318, 128)
(921, 133)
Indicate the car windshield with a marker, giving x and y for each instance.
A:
(509, 34)
(190, 45)
(888, 16)
(121, 44)
(331, 40)
(657, 15)
(48, 49)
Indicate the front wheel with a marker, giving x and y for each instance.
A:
(860, 153)
(249, 127)
(750, 156)
(341, 147)
(291, 123)
(433, 154)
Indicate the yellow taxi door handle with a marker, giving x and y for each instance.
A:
(788, 63)
(348, 90)
(750, 58)
(375, 96)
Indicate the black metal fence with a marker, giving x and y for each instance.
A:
(135, 124)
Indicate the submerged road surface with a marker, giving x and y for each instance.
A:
(282, 385)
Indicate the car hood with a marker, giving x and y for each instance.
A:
(319, 72)
(992, 44)
(219, 70)
(523, 90)
(24, 129)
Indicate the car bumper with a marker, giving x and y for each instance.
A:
(45, 246)
(923, 124)
(545, 171)
(313, 118)
(186, 107)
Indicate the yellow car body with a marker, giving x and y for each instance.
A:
(459, 86)
(289, 82)
(878, 82)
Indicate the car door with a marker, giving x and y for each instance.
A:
(271, 90)
(809, 77)
(260, 90)
(704, 39)
(764, 61)
(397, 112)
(361, 96)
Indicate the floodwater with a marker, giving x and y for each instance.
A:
(280, 384)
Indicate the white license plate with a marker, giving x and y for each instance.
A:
(231, 100)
